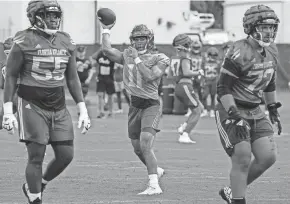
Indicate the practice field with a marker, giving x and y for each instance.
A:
(106, 170)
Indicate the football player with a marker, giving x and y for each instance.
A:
(184, 90)
(85, 69)
(211, 72)
(42, 57)
(105, 81)
(197, 66)
(142, 73)
(248, 73)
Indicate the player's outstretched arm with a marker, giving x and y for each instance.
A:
(112, 53)
(13, 68)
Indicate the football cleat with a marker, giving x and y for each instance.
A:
(204, 113)
(184, 138)
(211, 114)
(226, 194)
(25, 190)
(152, 190)
(160, 172)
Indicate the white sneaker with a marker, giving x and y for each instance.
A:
(119, 111)
(152, 190)
(160, 172)
(184, 138)
(211, 114)
(204, 113)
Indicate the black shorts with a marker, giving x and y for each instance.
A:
(106, 86)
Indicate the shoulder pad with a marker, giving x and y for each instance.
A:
(67, 40)
(23, 38)
(273, 49)
(241, 53)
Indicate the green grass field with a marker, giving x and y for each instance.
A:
(105, 169)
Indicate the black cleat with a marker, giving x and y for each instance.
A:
(43, 187)
(226, 194)
(25, 191)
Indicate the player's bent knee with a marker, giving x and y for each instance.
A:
(64, 150)
(146, 141)
(241, 157)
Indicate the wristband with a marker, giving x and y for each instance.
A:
(137, 60)
(8, 107)
(82, 107)
(106, 31)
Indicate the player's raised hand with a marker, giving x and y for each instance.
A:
(274, 115)
(9, 120)
(133, 52)
(107, 18)
(107, 26)
(84, 119)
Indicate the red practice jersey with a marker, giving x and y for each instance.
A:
(211, 70)
(133, 81)
(253, 72)
(42, 75)
(45, 62)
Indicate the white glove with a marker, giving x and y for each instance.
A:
(201, 72)
(84, 117)
(4, 72)
(9, 120)
(289, 84)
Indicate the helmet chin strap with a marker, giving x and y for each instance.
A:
(262, 43)
(45, 29)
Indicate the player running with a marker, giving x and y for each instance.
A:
(42, 58)
(211, 72)
(85, 69)
(248, 72)
(184, 88)
(142, 73)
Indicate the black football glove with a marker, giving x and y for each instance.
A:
(242, 126)
(274, 115)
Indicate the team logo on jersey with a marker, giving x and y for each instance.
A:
(264, 65)
(52, 52)
(104, 61)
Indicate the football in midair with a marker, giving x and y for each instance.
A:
(106, 16)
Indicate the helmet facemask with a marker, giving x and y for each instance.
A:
(265, 32)
(140, 43)
(48, 19)
(212, 57)
(182, 43)
(140, 38)
(196, 48)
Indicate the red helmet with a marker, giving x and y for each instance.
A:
(182, 42)
(139, 32)
(45, 15)
(261, 23)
